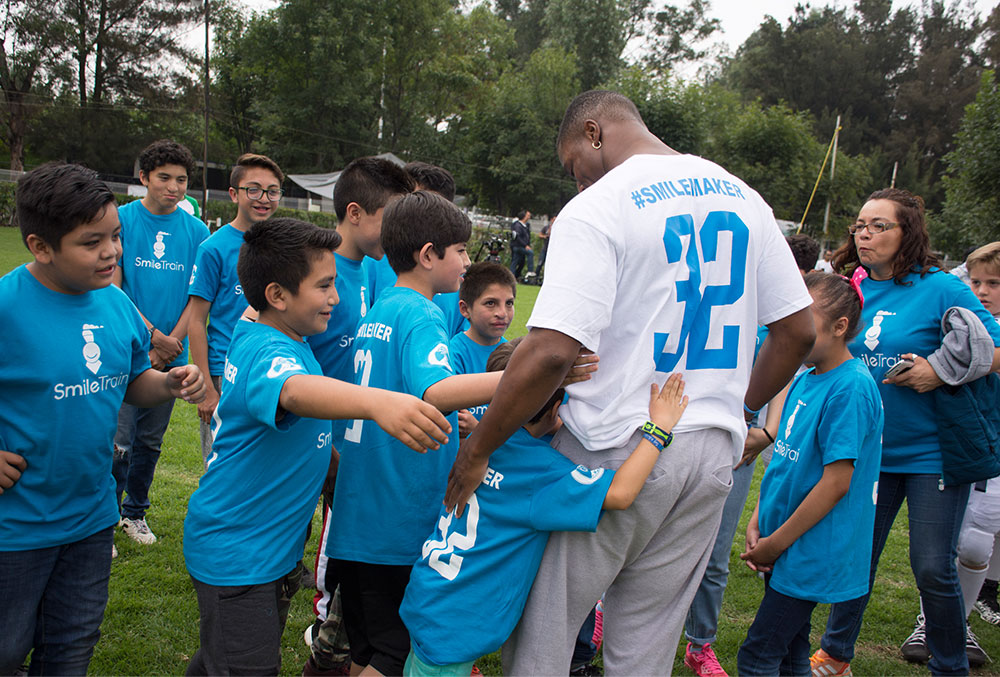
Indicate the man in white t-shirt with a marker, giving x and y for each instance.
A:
(664, 262)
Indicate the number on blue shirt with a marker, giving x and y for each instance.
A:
(362, 363)
(449, 543)
(698, 305)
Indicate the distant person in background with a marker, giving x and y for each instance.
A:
(824, 263)
(544, 235)
(805, 250)
(159, 243)
(520, 244)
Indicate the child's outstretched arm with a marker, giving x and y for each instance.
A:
(665, 409)
(153, 387)
(832, 487)
(415, 423)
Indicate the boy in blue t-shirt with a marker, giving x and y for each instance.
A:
(74, 349)
(486, 300)
(487, 559)
(363, 190)
(159, 243)
(245, 525)
(255, 187)
(387, 498)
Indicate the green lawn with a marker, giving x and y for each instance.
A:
(151, 624)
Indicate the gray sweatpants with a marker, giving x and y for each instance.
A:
(647, 561)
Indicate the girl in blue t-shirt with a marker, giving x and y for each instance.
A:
(812, 529)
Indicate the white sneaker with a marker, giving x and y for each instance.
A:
(138, 530)
(114, 551)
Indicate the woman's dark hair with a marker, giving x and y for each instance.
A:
(835, 297)
(914, 253)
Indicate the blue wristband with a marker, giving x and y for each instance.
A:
(752, 412)
(655, 441)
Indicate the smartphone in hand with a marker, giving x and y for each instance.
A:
(898, 368)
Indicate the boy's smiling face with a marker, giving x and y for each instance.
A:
(165, 186)
(250, 211)
(448, 270)
(86, 258)
(307, 311)
(490, 314)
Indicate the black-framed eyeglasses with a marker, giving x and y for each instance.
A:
(256, 193)
(874, 228)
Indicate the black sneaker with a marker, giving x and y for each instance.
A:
(973, 651)
(988, 614)
(914, 649)
(587, 670)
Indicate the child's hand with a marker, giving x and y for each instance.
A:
(11, 467)
(466, 423)
(755, 443)
(584, 365)
(415, 423)
(753, 536)
(155, 361)
(762, 555)
(667, 405)
(188, 383)
(167, 346)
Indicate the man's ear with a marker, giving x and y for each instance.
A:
(39, 248)
(276, 295)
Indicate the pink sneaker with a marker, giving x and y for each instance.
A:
(598, 626)
(703, 663)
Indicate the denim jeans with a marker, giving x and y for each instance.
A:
(137, 449)
(777, 642)
(703, 616)
(935, 520)
(518, 255)
(53, 601)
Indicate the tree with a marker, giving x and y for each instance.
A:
(971, 214)
(30, 53)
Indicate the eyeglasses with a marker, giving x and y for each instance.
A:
(256, 193)
(874, 228)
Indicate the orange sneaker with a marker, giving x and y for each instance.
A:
(825, 665)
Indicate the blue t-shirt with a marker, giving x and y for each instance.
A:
(333, 348)
(380, 276)
(827, 417)
(469, 357)
(158, 253)
(246, 522)
(388, 495)
(66, 362)
(214, 278)
(907, 319)
(487, 559)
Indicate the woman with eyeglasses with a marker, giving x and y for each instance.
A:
(905, 296)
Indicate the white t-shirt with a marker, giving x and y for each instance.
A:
(625, 278)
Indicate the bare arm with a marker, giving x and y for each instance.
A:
(757, 441)
(198, 334)
(417, 424)
(152, 387)
(665, 409)
(180, 330)
(832, 487)
(463, 390)
(535, 370)
(165, 348)
(787, 344)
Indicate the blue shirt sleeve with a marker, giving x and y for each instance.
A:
(425, 358)
(572, 501)
(845, 420)
(264, 383)
(205, 278)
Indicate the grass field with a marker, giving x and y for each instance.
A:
(151, 623)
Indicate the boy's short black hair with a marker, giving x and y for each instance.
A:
(371, 182)
(165, 152)
(248, 160)
(805, 250)
(416, 219)
(498, 361)
(432, 177)
(56, 198)
(481, 275)
(280, 250)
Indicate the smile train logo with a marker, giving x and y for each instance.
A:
(159, 249)
(791, 419)
(91, 351)
(874, 331)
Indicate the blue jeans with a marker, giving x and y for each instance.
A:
(53, 602)
(703, 616)
(518, 255)
(584, 648)
(777, 642)
(935, 520)
(137, 449)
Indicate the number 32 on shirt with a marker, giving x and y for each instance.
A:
(696, 324)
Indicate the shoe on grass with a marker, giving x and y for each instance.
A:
(138, 530)
(114, 554)
(825, 665)
(703, 663)
(973, 651)
(914, 649)
(988, 614)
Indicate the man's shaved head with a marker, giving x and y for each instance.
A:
(597, 104)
